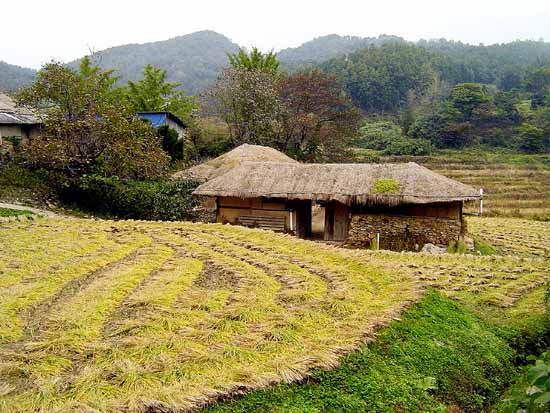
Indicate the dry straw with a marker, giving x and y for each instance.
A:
(345, 183)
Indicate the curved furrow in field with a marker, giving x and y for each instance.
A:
(154, 298)
(193, 348)
(76, 321)
(200, 312)
(301, 286)
(498, 281)
(36, 296)
(339, 265)
(39, 256)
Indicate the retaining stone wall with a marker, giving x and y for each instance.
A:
(400, 233)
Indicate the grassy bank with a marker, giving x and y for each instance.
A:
(440, 356)
(7, 212)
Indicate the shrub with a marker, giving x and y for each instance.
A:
(171, 143)
(378, 135)
(149, 200)
(415, 147)
(484, 248)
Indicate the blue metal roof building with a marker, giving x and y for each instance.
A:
(159, 119)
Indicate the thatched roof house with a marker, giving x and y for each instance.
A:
(346, 183)
(224, 163)
(404, 205)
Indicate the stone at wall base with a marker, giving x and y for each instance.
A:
(433, 249)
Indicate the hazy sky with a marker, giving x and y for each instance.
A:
(35, 31)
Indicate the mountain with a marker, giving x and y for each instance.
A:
(193, 60)
(327, 47)
(14, 77)
(196, 59)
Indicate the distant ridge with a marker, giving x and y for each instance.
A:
(13, 77)
(195, 60)
(330, 46)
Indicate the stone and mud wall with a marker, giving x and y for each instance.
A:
(400, 233)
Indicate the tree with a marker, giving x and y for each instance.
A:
(537, 81)
(378, 134)
(255, 60)
(154, 94)
(469, 99)
(317, 120)
(380, 79)
(531, 139)
(249, 103)
(88, 128)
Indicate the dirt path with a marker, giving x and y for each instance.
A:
(27, 208)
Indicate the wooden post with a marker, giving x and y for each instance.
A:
(481, 201)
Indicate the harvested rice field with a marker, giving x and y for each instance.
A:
(143, 316)
(513, 236)
(130, 316)
(520, 190)
(514, 185)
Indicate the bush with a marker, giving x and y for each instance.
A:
(378, 135)
(149, 200)
(532, 139)
(415, 147)
(388, 137)
(171, 143)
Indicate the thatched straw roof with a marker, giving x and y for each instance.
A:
(224, 163)
(10, 114)
(346, 183)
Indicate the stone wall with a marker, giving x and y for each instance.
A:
(400, 233)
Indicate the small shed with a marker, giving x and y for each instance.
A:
(159, 119)
(404, 206)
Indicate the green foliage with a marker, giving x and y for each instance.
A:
(165, 200)
(467, 98)
(171, 143)
(317, 121)
(484, 248)
(531, 139)
(88, 127)
(7, 212)
(386, 186)
(378, 134)
(439, 355)
(305, 114)
(153, 93)
(533, 394)
(413, 147)
(17, 182)
(255, 60)
(537, 81)
(457, 247)
(382, 78)
(249, 103)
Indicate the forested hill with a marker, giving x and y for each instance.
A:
(327, 47)
(381, 79)
(193, 60)
(13, 77)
